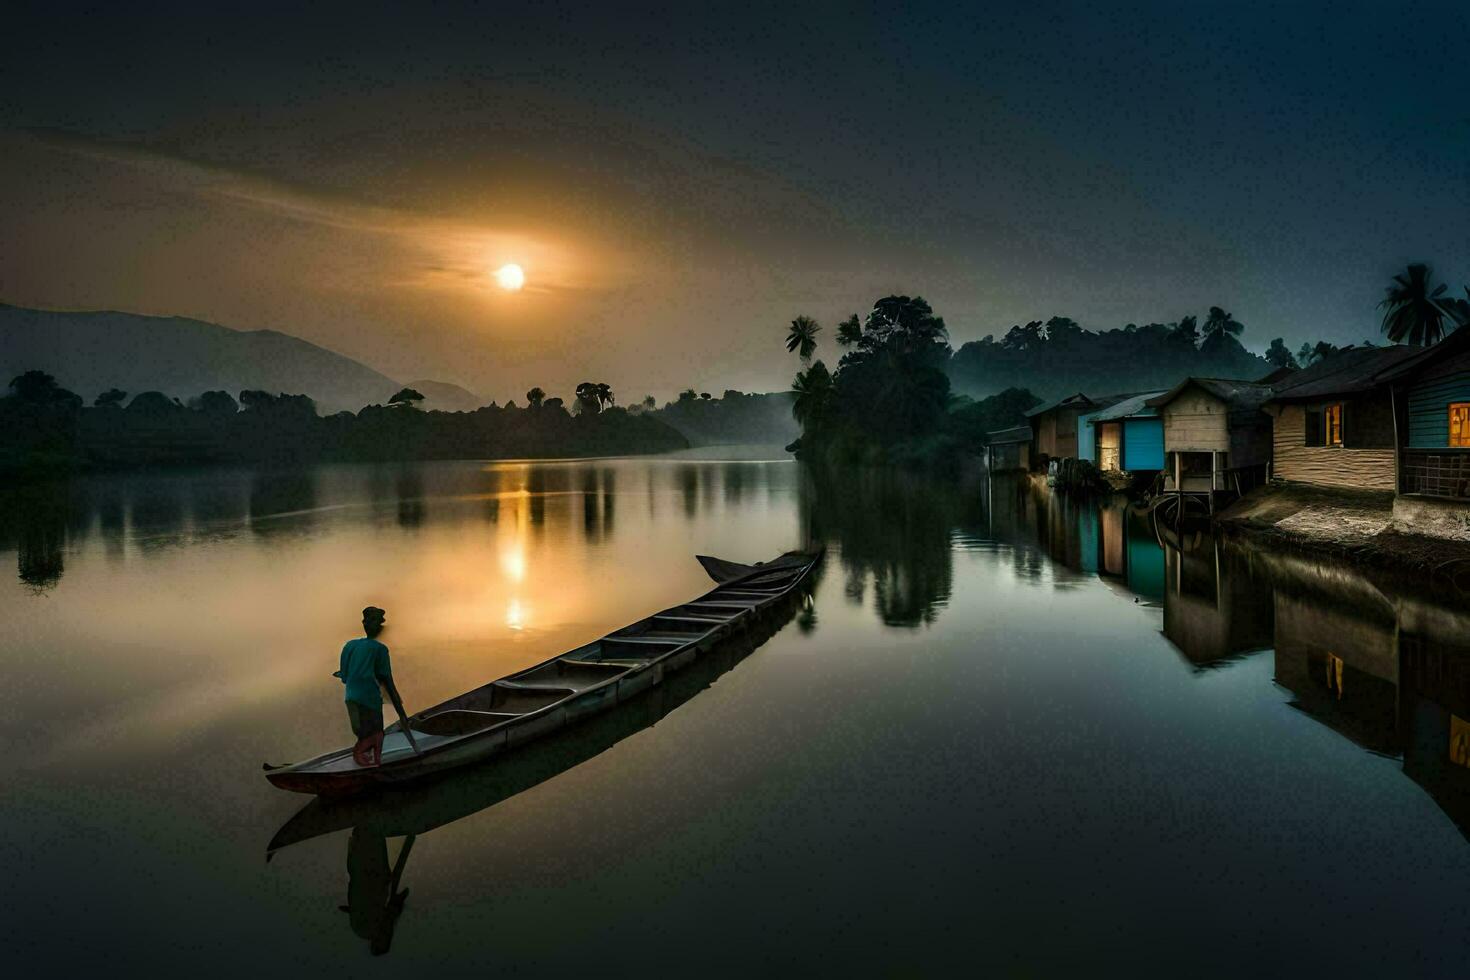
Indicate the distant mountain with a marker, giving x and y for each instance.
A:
(89, 352)
(441, 396)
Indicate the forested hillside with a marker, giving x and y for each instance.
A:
(1059, 357)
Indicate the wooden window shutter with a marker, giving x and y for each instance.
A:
(1314, 425)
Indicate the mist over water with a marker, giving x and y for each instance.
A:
(1009, 731)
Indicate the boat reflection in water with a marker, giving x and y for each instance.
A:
(375, 896)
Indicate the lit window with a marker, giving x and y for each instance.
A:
(1332, 425)
(1460, 424)
(1324, 425)
(1459, 741)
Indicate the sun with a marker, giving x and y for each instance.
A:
(510, 276)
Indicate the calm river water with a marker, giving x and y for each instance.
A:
(1008, 735)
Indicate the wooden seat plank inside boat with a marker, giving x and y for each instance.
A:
(563, 673)
(457, 722)
(706, 621)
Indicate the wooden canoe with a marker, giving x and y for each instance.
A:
(425, 805)
(590, 679)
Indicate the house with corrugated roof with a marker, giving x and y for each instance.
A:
(1216, 438)
(1008, 449)
(1054, 427)
(1334, 423)
(1393, 419)
(1127, 437)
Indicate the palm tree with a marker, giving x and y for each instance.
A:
(1459, 309)
(604, 395)
(813, 389)
(535, 397)
(1220, 323)
(802, 338)
(1413, 310)
(850, 331)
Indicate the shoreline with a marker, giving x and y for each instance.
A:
(1350, 526)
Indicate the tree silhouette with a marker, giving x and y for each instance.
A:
(40, 388)
(904, 325)
(889, 387)
(1414, 313)
(254, 398)
(588, 398)
(705, 396)
(1022, 337)
(605, 398)
(1219, 323)
(813, 388)
(1458, 309)
(215, 404)
(649, 403)
(1186, 331)
(1309, 354)
(850, 331)
(406, 398)
(152, 403)
(802, 337)
(535, 397)
(1279, 355)
(111, 398)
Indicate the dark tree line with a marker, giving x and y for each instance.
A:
(45, 427)
(889, 399)
(1057, 357)
(735, 416)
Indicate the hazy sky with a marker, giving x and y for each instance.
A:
(680, 182)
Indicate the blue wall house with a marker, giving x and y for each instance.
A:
(1126, 437)
(1436, 460)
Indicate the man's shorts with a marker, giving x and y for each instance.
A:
(365, 721)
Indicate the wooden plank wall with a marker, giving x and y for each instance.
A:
(1332, 466)
(1429, 417)
(1195, 422)
(1046, 434)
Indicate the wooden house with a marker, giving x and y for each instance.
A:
(1054, 428)
(1125, 437)
(1216, 438)
(1435, 460)
(1394, 419)
(1334, 422)
(1008, 449)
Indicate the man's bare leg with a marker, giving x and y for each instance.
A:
(378, 749)
(359, 752)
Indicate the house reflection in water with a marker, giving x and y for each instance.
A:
(1127, 551)
(1215, 609)
(1389, 671)
(1373, 660)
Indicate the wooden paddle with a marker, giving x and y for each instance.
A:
(402, 717)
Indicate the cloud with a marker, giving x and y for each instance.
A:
(443, 253)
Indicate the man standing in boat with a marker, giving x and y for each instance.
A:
(364, 667)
